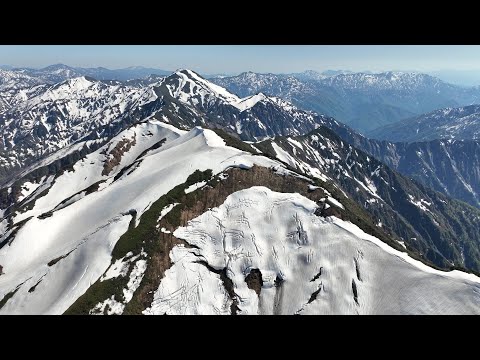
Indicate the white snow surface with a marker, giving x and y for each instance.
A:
(420, 204)
(189, 288)
(136, 277)
(166, 210)
(278, 234)
(335, 202)
(61, 284)
(249, 102)
(113, 307)
(93, 224)
(195, 186)
(119, 267)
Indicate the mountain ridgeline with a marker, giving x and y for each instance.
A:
(151, 196)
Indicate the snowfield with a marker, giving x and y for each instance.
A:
(83, 224)
(309, 265)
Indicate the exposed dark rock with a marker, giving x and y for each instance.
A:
(254, 280)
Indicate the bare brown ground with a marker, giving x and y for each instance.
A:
(115, 156)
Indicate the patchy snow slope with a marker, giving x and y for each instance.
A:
(45, 118)
(309, 265)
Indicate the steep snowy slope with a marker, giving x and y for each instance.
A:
(95, 170)
(441, 229)
(77, 237)
(301, 263)
(448, 166)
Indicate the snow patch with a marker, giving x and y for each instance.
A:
(421, 204)
(195, 186)
(248, 102)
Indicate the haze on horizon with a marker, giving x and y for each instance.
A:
(454, 63)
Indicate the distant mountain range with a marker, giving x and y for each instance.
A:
(461, 123)
(362, 101)
(61, 72)
(315, 75)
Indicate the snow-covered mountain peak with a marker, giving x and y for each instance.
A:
(189, 87)
(78, 84)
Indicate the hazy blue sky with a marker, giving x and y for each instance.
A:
(259, 58)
